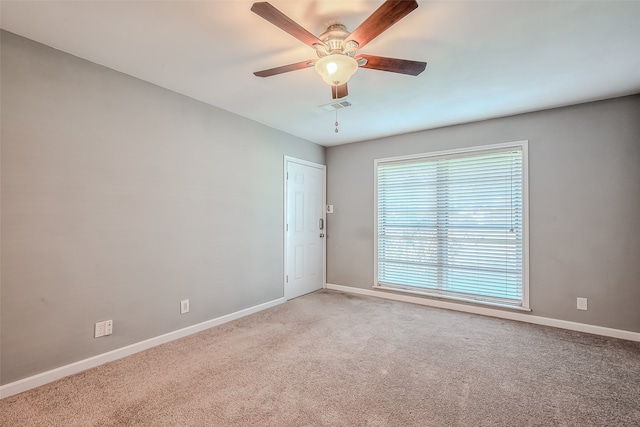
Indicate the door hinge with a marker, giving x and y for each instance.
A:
(287, 278)
(287, 175)
(287, 227)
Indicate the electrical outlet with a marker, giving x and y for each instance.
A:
(184, 306)
(329, 208)
(103, 328)
(582, 303)
(99, 330)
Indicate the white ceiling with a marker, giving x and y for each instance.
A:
(485, 58)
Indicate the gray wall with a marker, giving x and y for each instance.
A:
(119, 199)
(584, 193)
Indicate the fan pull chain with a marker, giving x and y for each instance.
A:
(336, 97)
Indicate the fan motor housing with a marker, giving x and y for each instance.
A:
(333, 38)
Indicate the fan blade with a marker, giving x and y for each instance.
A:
(338, 92)
(385, 16)
(395, 65)
(285, 23)
(285, 68)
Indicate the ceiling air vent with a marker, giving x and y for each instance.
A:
(335, 105)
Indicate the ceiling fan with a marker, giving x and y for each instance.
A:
(337, 48)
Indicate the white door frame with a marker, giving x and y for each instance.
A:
(288, 159)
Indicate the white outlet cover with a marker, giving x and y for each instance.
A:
(184, 306)
(581, 303)
(99, 330)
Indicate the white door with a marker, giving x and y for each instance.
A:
(304, 227)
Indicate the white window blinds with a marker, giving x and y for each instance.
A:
(452, 225)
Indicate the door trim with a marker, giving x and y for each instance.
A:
(323, 168)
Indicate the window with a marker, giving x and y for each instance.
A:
(454, 224)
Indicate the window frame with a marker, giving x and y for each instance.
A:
(522, 145)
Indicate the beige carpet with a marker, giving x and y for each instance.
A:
(332, 359)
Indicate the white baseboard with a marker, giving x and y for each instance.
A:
(503, 314)
(82, 365)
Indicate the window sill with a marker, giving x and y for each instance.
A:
(450, 298)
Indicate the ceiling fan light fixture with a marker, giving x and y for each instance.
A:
(336, 69)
